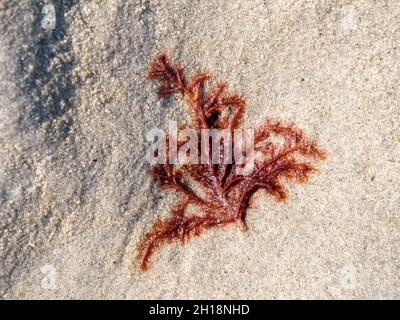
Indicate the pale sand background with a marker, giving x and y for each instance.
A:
(69, 224)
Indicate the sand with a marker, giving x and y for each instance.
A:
(75, 106)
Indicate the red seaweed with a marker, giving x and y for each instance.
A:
(226, 193)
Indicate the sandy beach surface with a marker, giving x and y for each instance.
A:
(75, 106)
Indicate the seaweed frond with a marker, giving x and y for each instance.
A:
(226, 193)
